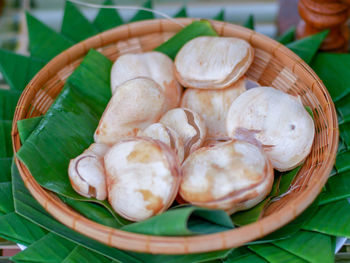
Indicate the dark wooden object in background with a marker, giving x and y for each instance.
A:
(318, 15)
(2, 4)
(288, 15)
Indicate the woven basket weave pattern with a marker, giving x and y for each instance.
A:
(274, 65)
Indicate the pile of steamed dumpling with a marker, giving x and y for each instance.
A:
(214, 144)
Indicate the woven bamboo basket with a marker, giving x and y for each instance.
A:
(274, 65)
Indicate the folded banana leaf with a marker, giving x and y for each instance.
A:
(181, 13)
(8, 102)
(75, 25)
(275, 254)
(107, 18)
(291, 228)
(246, 258)
(332, 219)
(280, 186)
(183, 221)
(310, 249)
(13, 227)
(5, 169)
(27, 126)
(342, 163)
(243, 254)
(18, 70)
(50, 248)
(6, 150)
(6, 205)
(337, 188)
(44, 42)
(307, 47)
(143, 14)
(288, 36)
(220, 16)
(196, 29)
(249, 23)
(334, 70)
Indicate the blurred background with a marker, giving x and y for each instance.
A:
(13, 30)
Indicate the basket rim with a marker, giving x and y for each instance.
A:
(165, 244)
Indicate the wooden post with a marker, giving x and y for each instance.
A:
(318, 15)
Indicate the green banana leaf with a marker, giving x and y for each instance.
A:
(287, 179)
(249, 23)
(342, 147)
(181, 13)
(342, 163)
(107, 18)
(18, 70)
(196, 29)
(92, 80)
(335, 77)
(53, 248)
(292, 227)
(246, 258)
(8, 102)
(6, 150)
(12, 226)
(220, 16)
(142, 14)
(343, 109)
(92, 211)
(344, 129)
(337, 188)
(51, 165)
(274, 254)
(83, 255)
(331, 219)
(280, 186)
(253, 214)
(243, 254)
(183, 222)
(6, 205)
(17, 229)
(288, 36)
(310, 248)
(5, 169)
(307, 47)
(189, 258)
(27, 126)
(75, 25)
(49, 249)
(309, 110)
(45, 43)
